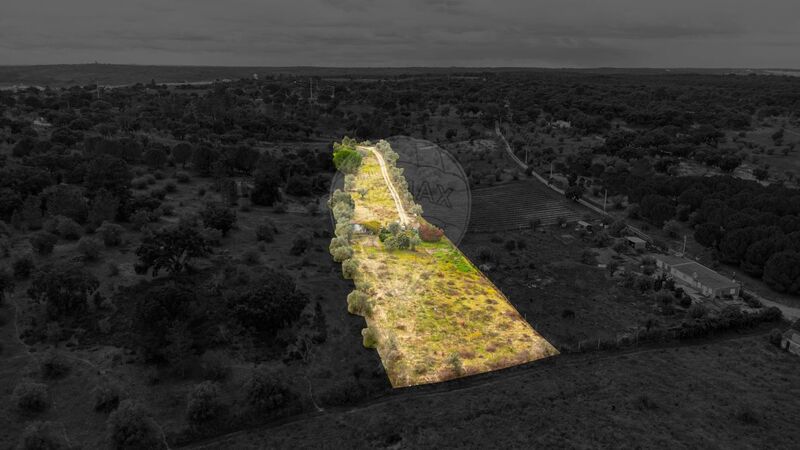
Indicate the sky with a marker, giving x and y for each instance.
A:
(372, 33)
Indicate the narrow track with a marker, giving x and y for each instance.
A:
(401, 211)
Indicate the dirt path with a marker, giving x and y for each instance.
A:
(401, 212)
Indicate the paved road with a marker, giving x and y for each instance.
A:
(401, 212)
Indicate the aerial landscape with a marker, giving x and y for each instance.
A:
(392, 237)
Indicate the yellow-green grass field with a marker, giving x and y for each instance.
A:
(434, 315)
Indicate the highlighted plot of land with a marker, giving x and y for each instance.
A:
(430, 313)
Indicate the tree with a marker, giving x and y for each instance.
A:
(273, 303)
(109, 173)
(111, 234)
(171, 249)
(43, 436)
(346, 158)
(181, 153)
(203, 158)
(43, 242)
(430, 233)
(264, 391)
(65, 289)
(672, 227)
(782, 272)
(218, 217)
(30, 397)
(574, 192)
(707, 234)
(266, 182)
(130, 427)
(103, 208)
(6, 283)
(66, 200)
(203, 404)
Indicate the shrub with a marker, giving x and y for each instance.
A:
(266, 232)
(90, 248)
(349, 268)
(279, 208)
(68, 228)
(182, 177)
(30, 397)
(264, 391)
(43, 436)
(775, 337)
(510, 245)
(111, 234)
(130, 427)
(589, 257)
(215, 366)
(140, 218)
(342, 253)
(374, 227)
(203, 404)
(149, 179)
(106, 397)
(251, 257)
(43, 242)
(370, 338)
(52, 365)
(218, 217)
(139, 183)
(358, 303)
(430, 233)
(170, 187)
(485, 255)
(300, 243)
(23, 266)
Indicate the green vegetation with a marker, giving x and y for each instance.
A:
(430, 313)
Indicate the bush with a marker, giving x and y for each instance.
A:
(215, 366)
(139, 183)
(430, 233)
(218, 217)
(589, 257)
(52, 365)
(23, 267)
(182, 177)
(266, 231)
(300, 243)
(106, 397)
(349, 268)
(68, 228)
(43, 436)
(30, 397)
(43, 242)
(203, 404)
(130, 427)
(358, 303)
(170, 187)
(775, 337)
(264, 391)
(342, 253)
(370, 338)
(251, 257)
(90, 248)
(111, 234)
(140, 218)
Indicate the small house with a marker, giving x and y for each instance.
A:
(697, 276)
(583, 225)
(790, 341)
(636, 243)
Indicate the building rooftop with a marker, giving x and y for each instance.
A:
(792, 335)
(671, 260)
(706, 276)
(636, 240)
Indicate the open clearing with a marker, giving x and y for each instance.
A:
(436, 315)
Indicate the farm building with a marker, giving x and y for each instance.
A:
(791, 342)
(636, 242)
(583, 225)
(698, 276)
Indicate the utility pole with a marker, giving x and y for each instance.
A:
(551, 170)
(684, 245)
(605, 198)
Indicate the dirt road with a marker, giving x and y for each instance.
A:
(401, 212)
